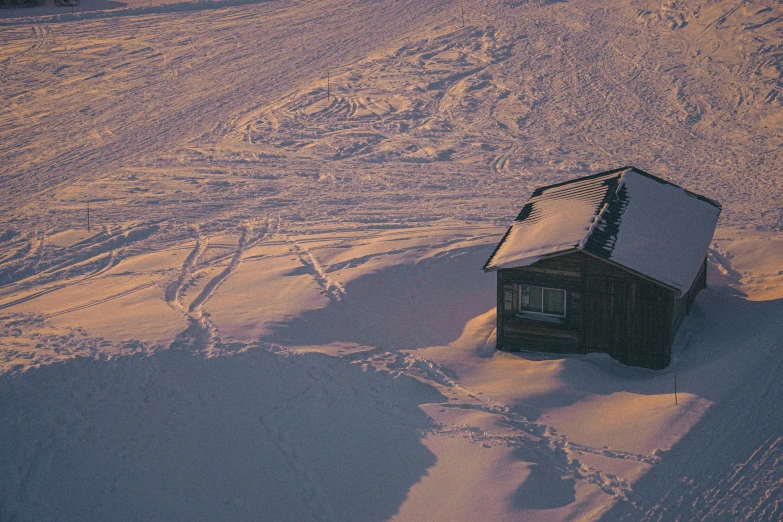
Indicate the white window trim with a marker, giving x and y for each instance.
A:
(542, 313)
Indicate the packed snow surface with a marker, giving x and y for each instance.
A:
(278, 312)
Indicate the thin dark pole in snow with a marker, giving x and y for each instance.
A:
(675, 389)
(328, 87)
(88, 215)
(462, 10)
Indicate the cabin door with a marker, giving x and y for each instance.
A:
(608, 317)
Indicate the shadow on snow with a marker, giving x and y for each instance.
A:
(403, 306)
(175, 436)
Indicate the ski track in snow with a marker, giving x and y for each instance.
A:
(331, 288)
(172, 293)
(202, 332)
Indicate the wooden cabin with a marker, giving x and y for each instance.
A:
(605, 263)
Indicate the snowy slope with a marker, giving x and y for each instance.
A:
(278, 312)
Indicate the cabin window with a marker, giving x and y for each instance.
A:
(542, 300)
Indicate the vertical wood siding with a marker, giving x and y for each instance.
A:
(555, 335)
(626, 316)
(608, 310)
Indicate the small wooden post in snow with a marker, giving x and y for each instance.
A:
(462, 10)
(327, 86)
(88, 215)
(675, 389)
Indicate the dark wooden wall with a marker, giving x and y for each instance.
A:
(516, 333)
(609, 309)
(626, 316)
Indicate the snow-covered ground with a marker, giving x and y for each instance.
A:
(278, 312)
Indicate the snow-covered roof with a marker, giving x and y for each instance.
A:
(626, 216)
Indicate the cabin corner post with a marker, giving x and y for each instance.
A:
(671, 328)
(583, 274)
(499, 320)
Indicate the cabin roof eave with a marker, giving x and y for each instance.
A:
(536, 260)
(678, 292)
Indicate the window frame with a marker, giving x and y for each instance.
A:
(542, 313)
